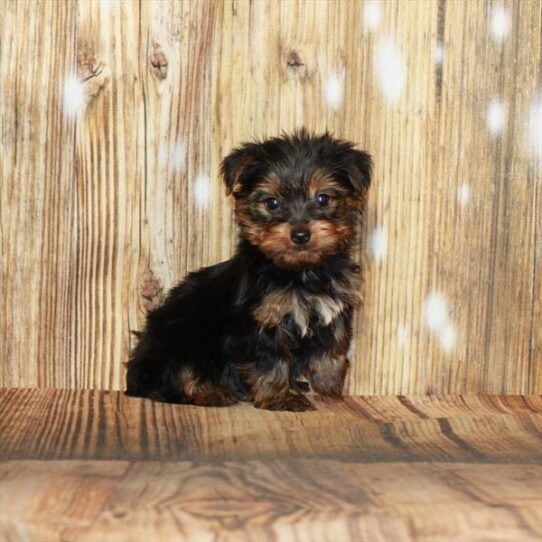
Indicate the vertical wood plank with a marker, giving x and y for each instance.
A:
(480, 259)
(107, 206)
(38, 250)
(110, 176)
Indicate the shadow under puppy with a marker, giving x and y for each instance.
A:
(277, 317)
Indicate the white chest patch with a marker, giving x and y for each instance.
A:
(325, 308)
(302, 306)
(305, 306)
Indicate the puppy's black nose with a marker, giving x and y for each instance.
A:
(301, 236)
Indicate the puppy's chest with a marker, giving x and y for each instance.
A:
(307, 309)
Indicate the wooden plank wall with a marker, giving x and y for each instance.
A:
(115, 114)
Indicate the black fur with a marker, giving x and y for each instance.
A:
(207, 344)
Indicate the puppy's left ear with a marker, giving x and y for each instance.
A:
(234, 166)
(359, 169)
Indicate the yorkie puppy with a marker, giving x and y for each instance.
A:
(275, 320)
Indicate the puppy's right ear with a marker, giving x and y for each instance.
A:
(359, 167)
(234, 166)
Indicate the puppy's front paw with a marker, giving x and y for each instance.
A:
(214, 397)
(329, 390)
(289, 401)
(327, 375)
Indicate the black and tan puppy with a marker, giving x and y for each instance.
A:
(278, 315)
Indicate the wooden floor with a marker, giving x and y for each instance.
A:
(98, 466)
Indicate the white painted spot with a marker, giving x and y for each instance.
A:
(178, 156)
(500, 23)
(495, 116)
(463, 194)
(390, 69)
(437, 315)
(436, 311)
(438, 53)
(372, 14)
(447, 337)
(351, 354)
(403, 334)
(202, 190)
(172, 157)
(378, 244)
(534, 128)
(108, 4)
(334, 90)
(74, 96)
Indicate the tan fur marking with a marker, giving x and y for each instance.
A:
(349, 288)
(326, 308)
(327, 235)
(271, 183)
(276, 238)
(327, 374)
(321, 181)
(275, 242)
(301, 315)
(272, 384)
(276, 305)
(188, 382)
(236, 185)
(272, 391)
(339, 333)
(204, 393)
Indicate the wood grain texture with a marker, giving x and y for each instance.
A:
(50, 424)
(87, 466)
(269, 500)
(104, 209)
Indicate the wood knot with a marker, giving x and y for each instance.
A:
(294, 60)
(151, 290)
(299, 65)
(91, 71)
(87, 65)
(158, 61)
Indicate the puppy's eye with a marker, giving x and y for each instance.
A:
(322, 200)
(272, 204)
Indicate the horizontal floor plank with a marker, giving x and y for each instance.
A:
(278, 499)
(53, 424)
(85, 466)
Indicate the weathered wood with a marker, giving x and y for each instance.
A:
(49, 424)
(269, 500)
(106, 205)
(369, 469)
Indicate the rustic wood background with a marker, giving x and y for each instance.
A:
(115, 114)
(88, 466)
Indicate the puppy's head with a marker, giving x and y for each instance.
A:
(298, 197)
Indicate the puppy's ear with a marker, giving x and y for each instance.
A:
(234, 166)
(359, 170)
